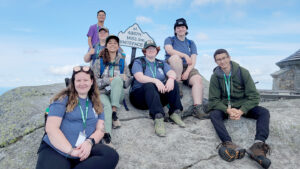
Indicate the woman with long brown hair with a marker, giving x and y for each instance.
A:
(74, 127)
(112, 76)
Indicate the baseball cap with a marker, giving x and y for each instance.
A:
(149, 43)
(104, 28)
(112, 37)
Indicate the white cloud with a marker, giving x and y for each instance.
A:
(201, 36)
(204, 2)
(143, 19)
(277, 14)
(61, 70)
(239, 14)
(157, 3)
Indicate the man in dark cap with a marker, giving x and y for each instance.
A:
(181, 54)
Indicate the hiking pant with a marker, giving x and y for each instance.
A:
(148, 97)
(259, 113)
(114, 98)
(101, 157)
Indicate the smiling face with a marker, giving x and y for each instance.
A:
(82, 83)
(112, 45)
(101, 17)
(103, 35)
(223, 60)
(151, 52)
(180, 30)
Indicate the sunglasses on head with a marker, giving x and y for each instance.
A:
(81, 68)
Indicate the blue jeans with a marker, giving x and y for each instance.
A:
(259, 113)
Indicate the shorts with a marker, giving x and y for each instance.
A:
(192, 73)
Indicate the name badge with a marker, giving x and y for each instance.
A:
(229, 105)
(81, 138)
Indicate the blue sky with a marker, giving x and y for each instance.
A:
(41, 40)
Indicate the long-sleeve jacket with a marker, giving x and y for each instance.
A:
(103, 80)
(243, 93)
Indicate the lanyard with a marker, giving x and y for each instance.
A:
(86, 112)
(153, 73)
(97, 29)
(111, 69)
(98, 49)
(227, 83)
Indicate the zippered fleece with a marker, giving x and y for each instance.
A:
(243, 93)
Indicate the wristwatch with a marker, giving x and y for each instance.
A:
(92, 141)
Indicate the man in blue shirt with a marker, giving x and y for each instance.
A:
(181, 54)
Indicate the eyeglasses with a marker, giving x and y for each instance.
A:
(81, 68)
(221, 59)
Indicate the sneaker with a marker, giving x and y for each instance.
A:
(115, 121)
(107, 140)
(196, 111)
(230, 151)
(258, 152)
(177, 119)
(159, 125)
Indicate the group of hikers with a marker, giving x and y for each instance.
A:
(81, 116)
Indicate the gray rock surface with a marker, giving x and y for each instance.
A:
(192, 147)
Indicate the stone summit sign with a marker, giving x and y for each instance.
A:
(134, 37)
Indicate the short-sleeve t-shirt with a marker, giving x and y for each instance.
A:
(160, 73)
(187, 46)
(72, 124)
(93, 32)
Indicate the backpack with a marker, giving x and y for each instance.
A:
(160, 63)
(189, 42)
(121, 67)
(239, 73)
(103, 65)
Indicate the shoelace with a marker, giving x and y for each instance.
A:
(266, 148)
(224, 144)
(160, 124)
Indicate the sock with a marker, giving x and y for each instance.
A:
(258, 141)
(158, 116)
(114, 116)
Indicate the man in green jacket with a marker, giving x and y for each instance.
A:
(232, 94)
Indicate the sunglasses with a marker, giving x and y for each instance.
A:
(81, 68)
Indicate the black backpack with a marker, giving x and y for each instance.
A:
(160, 63)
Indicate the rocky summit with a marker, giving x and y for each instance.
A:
(193, 147)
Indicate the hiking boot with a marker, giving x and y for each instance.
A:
(258, 152)
(199, 112)
(107, 140)
(115, 121)
(159, 125)
(196, 111)
(175, 117)
(230, 151)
